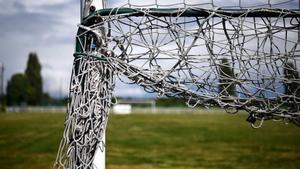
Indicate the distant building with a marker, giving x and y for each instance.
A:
(128, 106)
(122, 109)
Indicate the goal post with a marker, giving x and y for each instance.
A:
(244, 56)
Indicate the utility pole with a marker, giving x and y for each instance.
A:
(2, 106)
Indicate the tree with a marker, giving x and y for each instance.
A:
(2, 97)
(33, 74)
(291, 83)
(17, 90)
(226, 74)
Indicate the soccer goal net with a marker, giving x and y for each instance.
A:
(237, 55)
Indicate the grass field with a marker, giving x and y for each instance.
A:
(140, 141)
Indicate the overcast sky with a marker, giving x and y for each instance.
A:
(48, 27)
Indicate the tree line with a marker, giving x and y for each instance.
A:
(226, 86)
(27, 88)
(227, 83)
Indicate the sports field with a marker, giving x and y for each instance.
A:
(153, 141)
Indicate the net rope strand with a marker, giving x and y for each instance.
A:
(234, 62)
(264, 71)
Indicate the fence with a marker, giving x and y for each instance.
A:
(39, 109)
(135, 110)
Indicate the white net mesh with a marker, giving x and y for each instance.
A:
(91, 95)
(245, 59)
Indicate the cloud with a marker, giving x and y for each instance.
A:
(46, 27)
(131, 90)
(29, 5)
(35, 3)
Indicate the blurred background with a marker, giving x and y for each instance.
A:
(45, 30)
(145, 132)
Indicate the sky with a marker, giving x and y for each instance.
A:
(45, 27)
(48, 27)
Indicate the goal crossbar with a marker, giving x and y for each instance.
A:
(196, 12)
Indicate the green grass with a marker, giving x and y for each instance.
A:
(140, 141)
(29, 140)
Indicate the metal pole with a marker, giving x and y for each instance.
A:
(87, 5)
(85, 8)
(2, 87)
